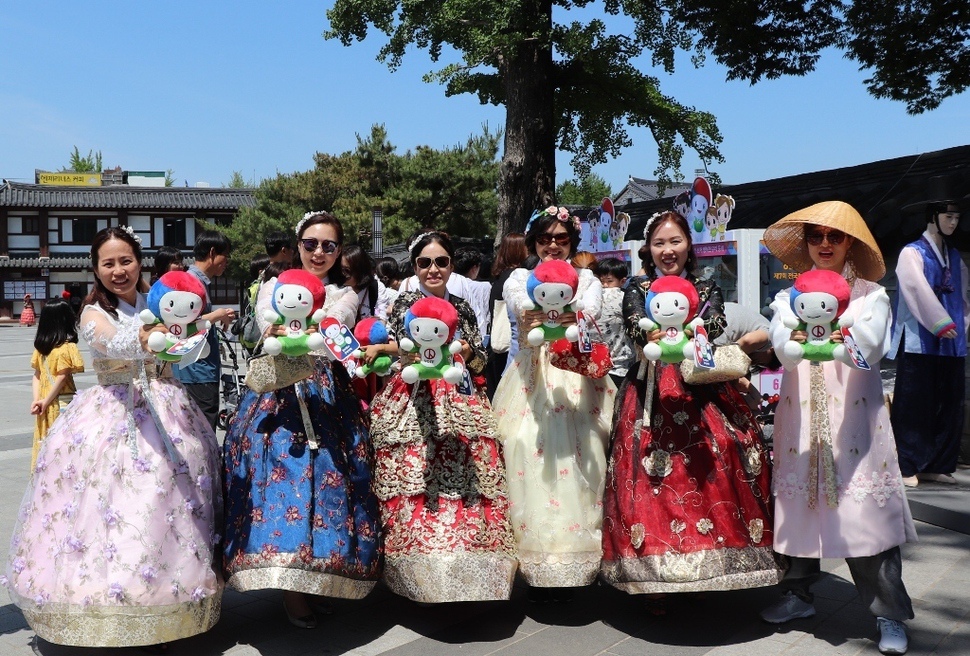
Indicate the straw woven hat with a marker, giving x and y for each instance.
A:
(786, 238)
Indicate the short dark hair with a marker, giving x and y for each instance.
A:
(257, 264)
(209, 240)
(165, 257)
(611, 266)
(467, 258)
(277, 241)
(543, 223)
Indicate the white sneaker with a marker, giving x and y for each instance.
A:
(910, 481)
(790, 607)
(892, 636)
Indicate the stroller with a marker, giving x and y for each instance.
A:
(231, 387)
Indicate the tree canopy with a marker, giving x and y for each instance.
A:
(79, 164)
(574, 85)
(589, 191)
(451, 189)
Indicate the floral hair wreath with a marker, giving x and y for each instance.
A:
(646, 228)
(306, 217)
(131, 233)
(560, 213)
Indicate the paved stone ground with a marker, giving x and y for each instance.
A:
(600, 621)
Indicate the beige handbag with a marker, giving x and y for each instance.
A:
(267, 373)
(730, 363)
(501, 338)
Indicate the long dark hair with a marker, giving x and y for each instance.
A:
(56, 325)
(511, 253)
(334, 275)
(100, 295)
(543, 223)
(681, 223)
(164, 258)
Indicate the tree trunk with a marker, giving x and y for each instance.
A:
(527, 178)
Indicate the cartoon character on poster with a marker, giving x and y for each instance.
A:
(593, 219)
(338, 339)
(618, 229)
(682, 203)
(700, 200)
(600, 225)
(723, 208)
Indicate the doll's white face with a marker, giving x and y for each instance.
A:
(816, 307)
(710, 220)
(433, 332)
(293, 301)
(179, 307)
(332, 331)
(553, 294)
(669, 308)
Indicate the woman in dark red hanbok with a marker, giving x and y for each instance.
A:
(688, 496)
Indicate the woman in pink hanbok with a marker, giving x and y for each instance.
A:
(115, 537)
(837, 485)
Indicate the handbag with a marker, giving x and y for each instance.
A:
(567, 356)
(500, 337)
(267, 373)
(730, 363)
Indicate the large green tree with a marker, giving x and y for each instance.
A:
(589, 191)
(451, 189)
(577, 86)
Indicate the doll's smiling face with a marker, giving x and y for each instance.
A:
(293, 301)
(553, 294)
(179, 307)
(816, 307)
(428, 331)
(669, 308)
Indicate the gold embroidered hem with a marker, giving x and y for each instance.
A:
(437, 578)
(300, 580)
(559, 570)
(122, 626)
(699, 571)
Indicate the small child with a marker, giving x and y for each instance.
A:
(55, 360)
(612, 274)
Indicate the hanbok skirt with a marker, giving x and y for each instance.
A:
(444, 502)
(300, 513)
(554, 426)
(688, 503)
(115, 540)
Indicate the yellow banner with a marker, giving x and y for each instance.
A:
(70, 179)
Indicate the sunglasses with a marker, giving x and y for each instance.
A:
(442, 262)
(562, 239)
(310, 245)
(834, 237)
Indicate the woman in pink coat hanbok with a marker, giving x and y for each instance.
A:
(838, 490)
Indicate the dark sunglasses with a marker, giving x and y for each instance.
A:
(562, 239)
(834, 237)
(310, 245)
(442, 262)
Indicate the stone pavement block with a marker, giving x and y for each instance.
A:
(765, 647)
(836, 587)
(956, 643)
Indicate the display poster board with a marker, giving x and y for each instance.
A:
(14, 290)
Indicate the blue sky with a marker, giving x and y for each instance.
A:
(206, 88)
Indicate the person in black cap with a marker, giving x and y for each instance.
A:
(929, 343)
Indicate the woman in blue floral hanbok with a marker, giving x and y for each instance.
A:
(300, 514)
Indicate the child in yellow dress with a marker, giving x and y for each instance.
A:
(55, 360)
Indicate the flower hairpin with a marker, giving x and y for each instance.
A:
(131, 233)
(561, 213)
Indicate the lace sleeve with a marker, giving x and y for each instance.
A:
(591, 293)
(341, 304)
(514, 293)
(264, 302)
(712, 304)
(110, 337)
